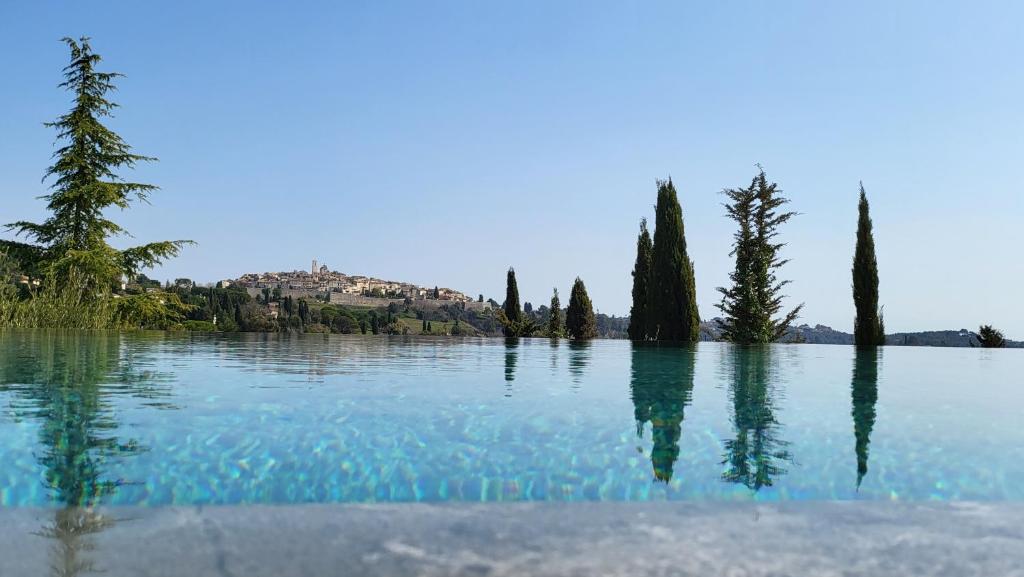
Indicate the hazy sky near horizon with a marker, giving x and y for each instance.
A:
(441, 142)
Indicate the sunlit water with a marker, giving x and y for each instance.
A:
(161, 419)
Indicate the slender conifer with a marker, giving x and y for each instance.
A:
(555, 329)
(672, 300)
(868, 327)
(638, 316)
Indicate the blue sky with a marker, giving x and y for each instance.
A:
(441, 142)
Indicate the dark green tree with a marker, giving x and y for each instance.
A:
(513, 322)
(638, 316)
(868, 327)
(755, 297)
(85, 183)
(555, 329)
(579, 317)
(990, 338)
(512, 310)
(672, 296)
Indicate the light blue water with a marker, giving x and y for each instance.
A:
(158, 419)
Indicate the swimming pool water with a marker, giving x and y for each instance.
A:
(182, 419)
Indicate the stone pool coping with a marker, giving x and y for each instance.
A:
(873, 539)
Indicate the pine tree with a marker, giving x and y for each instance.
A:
(85, 185)
(641, 281)
(555, 319)
(579, 317)
(990, 338)
(755, 297)
(671, 297)
(868, 327)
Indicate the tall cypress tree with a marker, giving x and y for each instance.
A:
(85, 185)
(671, 297)
(512, 310)
(580, 323)
(868, 327)
(755, 297)
(641, 281)
(555, 318)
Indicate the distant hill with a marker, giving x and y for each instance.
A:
(824, 335)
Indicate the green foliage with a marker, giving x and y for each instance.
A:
(513, 322)
(150, 310)
(56, 305)
(868, 326)
(990, 337)
(638, 315)
(672, 297)
(555, 328)
(199, 326)
(513, 313)
(755, 297)
(85, 184)
(579, 317)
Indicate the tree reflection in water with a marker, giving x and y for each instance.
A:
(864, 391)
(579, 358)
(511, 358)
(753, 458)
(66, 381)
(661, 385)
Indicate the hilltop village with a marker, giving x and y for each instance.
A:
(339, 288)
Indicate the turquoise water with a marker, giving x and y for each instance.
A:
(160, 419)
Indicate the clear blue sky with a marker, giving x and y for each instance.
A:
(441, 142)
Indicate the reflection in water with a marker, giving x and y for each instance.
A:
(579, 357)
(64, 380)
(511, 358)
(661, 384)
(864, 390)
(752, 457)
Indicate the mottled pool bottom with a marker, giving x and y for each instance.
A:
(165, 419)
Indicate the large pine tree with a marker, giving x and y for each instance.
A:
(641, 281)
(755, 297)
(868, 327)
(671, 296)
(580, 323)
(73, 240)
(555, 317)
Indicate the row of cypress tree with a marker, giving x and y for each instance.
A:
(580, 322)
(664, 288)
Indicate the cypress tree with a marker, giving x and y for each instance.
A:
(579, 317)
(512, 310)
(85, 185)
(755, 297)
(641, 280)
(555, 319)
(868, 327)
(672, 300)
